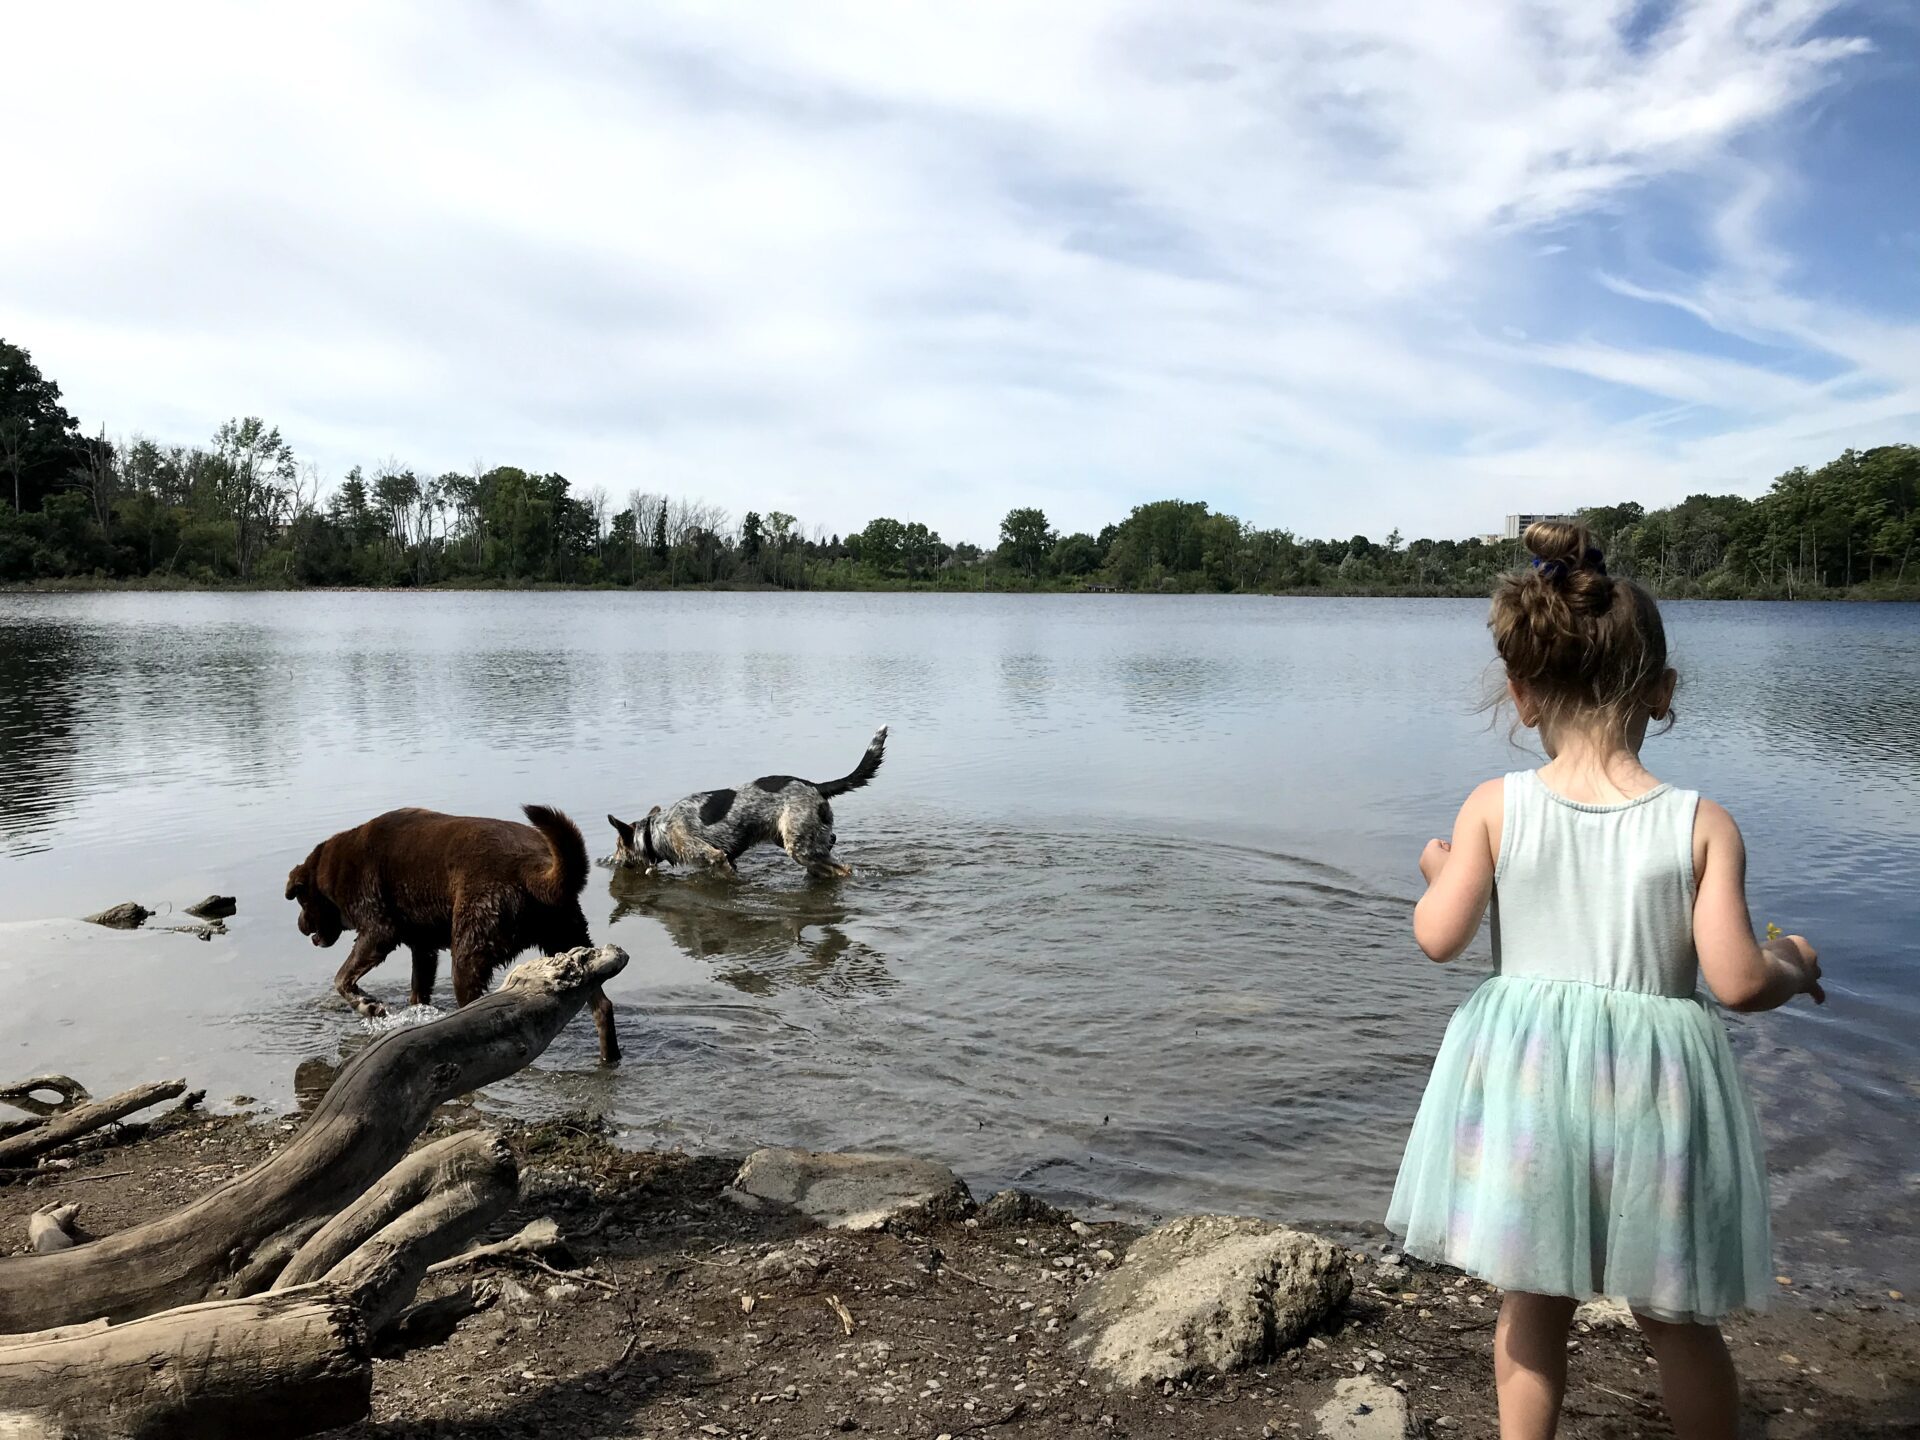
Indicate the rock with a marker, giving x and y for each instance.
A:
(853, 1192)
(214, 907)
(1208, 1293)
(1605, 1313)
(127, 915)
(799, 1265)
(1017, 1207)
(1363, 1408)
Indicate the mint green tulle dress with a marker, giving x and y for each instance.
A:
(1585, 1131)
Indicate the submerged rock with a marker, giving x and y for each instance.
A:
(214, 907)
(853, 1192)
(1208, 1293)
(127, 915)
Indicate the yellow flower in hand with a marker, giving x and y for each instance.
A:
(1774, 932)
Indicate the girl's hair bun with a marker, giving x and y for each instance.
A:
(1567, 561)
(1557, 542)
(1580, 643)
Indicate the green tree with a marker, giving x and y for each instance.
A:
(1026, 540)
(40, 444)
(255, 479)
(1076, 556)
(881, 544)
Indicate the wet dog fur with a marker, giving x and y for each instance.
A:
(484, 889)
(716, 827)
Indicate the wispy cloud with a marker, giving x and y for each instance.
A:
(848, 258)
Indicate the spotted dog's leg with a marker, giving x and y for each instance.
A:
(426, 967)
(692, 848)
(808, 840)
(370, 947)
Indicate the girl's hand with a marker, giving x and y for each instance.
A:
(1434, 859)
(1796, 952)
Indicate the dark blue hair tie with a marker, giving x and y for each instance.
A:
(1554, 569)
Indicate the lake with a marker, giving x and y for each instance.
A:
(1130, 923)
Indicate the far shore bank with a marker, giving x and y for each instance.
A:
(162, 585)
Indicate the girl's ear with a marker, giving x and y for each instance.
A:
(1523, 705)
(1663, 694)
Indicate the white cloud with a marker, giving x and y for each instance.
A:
(847, 258)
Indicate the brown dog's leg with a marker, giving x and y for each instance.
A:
(473, 967)
(603, 1022)
(426, 967)
(370, 947)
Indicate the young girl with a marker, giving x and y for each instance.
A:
(1585, 1131)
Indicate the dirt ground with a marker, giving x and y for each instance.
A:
(675, 1312)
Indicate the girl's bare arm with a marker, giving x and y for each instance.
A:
(1743, 974)
(1459, 876)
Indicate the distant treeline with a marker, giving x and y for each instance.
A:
(244, 510)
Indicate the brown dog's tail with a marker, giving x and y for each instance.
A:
(568, 877)
(868, 767)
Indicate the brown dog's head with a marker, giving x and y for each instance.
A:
(320, 918)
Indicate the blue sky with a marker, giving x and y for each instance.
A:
(1334, 265)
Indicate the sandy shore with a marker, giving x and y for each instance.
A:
(677, 1313)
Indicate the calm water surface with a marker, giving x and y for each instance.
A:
(1130, 923)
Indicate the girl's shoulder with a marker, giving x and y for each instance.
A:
(1491, 795)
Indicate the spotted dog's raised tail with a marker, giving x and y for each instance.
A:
(868, 767)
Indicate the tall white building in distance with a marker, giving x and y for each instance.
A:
(1517, 524)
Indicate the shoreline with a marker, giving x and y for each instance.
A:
(151, 585)
(673, 1308)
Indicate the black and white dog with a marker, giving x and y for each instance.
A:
(717, 827)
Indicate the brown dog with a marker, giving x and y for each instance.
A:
(486, 889)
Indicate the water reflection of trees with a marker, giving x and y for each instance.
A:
(765, 939)
(43, 671)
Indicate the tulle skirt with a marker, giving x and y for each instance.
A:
(1579, 1140)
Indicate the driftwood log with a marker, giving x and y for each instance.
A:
(342, 1224)
(292, 1363)
(66, 1126)
(25, 1094)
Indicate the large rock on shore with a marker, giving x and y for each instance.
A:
(854, 1192)
(1017, 1207)
(1363, 1408)
(1208, 1293)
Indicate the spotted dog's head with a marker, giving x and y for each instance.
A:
(634, 849)
(320, 918)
